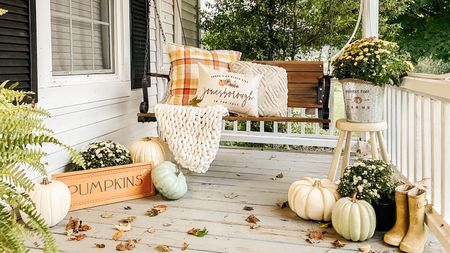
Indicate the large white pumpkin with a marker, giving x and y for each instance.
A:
(354, 219)
(52, 201)
(313, 198)
(150, 149)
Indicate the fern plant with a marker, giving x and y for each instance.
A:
(22, 134)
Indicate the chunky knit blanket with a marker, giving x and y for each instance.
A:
(192, 133)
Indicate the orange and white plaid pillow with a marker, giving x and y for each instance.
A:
(184, 69)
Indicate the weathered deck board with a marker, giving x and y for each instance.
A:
(247, 173)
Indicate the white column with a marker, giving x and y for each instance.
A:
(370, 18)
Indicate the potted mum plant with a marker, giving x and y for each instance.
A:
(373, 181)
(364, 68)
(100, 154)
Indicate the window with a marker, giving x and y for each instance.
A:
(81, 36)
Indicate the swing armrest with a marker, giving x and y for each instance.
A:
(166, 76)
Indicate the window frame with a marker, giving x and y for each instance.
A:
(92, 22)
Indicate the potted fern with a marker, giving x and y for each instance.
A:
(22, 134)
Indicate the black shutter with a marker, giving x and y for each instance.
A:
(18, 43)
(138, 23)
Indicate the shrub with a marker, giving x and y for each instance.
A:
(99, 154)
(429, 65)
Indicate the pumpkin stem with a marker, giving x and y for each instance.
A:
(316, 183)
(148, 138)
(45, 181)
(178, 170)
(353, 197)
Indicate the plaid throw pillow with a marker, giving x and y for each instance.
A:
(184, 69)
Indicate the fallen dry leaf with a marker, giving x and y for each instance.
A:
(73, 225)
(100, 245)
(338, 244)
(164, 248)
(131, 243)
(279, 175)
(151, 230)
(123, 226)
(192, 231)
(156, 210)
(197, 232)
(78, 237)
(121, 247)
(127, 208)
(127, 219)
(283, 204)
(84, 228)
(254, 226)
(106, 215)
(315, 236)
(365, 248)
(247, 208)
(184, 246)
(231, 195)
(252, 219)
(152, 212)
(117, 235)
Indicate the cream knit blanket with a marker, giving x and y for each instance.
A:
(192, 133)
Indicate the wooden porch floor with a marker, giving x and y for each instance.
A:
(247, 174)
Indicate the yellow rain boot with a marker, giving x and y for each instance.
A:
(416, 237)
(398, 231)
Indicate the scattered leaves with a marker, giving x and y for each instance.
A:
(129, 245)
(157, 209)
(247, 208)
(338, 244)
(195, 101)
(231, 195)
(78, 237)
(280, 175)
(365, 248)
(197, 232)
(100, 245)
(128, 219)
(121, 247)
(84, 227)
(254, 226)
(73, 226)
(151, 230)
(252, 219)
(283, 204)
(127, 208)
(117, 235)
(325, 225)
(184, 246)
(123, 226)
(164, 248)
(315, 236)
(238, 175)
(106, 215)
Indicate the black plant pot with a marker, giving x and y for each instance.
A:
(385, 213)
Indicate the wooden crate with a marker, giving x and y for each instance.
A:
(102, 186)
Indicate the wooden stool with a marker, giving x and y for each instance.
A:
(346, 128)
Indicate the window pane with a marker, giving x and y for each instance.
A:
(82, 46)
(61, 44)
(81, 8)
(61, 6)
(101, 10)
(101, 47)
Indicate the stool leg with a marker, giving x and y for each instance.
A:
(384, 153)
(337, 154)
(346, 158)
(373, 146)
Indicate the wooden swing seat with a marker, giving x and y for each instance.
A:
(307, 88)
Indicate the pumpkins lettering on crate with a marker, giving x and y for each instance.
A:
(313, 198)
(354, 219)
(169, 180)
(150, 149)
(52, 201)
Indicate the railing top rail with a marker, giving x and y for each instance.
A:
(424, 94)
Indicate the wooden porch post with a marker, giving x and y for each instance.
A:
(370, 18)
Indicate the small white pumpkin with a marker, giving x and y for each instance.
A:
(52, 201)
(150, 149)
(354, 219)
(169, 180)
(313, 198)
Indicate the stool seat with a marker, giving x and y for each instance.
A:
(343, 124)
(346, 129)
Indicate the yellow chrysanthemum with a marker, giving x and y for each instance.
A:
(3, 11)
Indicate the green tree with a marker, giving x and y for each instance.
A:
(285, 29)
(425, 29)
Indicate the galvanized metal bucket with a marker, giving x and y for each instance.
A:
(364, 102)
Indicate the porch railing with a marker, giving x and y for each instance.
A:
(418, 142)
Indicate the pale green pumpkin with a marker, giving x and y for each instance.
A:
(169, 181)
(354, 219)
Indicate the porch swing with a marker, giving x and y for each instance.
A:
(308, 86)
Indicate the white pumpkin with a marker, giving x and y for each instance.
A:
(52, 201)
(169, 180)
(313, 198)
(354, 219)
(150, 149)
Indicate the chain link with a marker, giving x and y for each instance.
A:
(158, 18)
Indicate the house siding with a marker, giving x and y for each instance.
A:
(98, 107)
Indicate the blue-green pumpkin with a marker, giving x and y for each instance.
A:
(169, 181)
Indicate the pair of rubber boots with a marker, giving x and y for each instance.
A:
(409, 230)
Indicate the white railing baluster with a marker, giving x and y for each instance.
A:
(248, 126)
(331, 110)
(289, 124)
(410, 137)
(436, 159)
(417, 138)
(235, 125)
(302, 124)
(445, 160)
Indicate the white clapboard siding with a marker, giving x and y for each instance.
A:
(190, 21)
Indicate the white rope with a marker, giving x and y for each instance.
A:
(192, 133)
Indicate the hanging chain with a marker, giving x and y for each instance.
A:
(331, 35)
(181, 21)
(158, 18)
